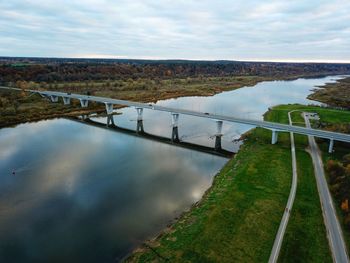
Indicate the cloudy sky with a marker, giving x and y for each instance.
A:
(289, 30)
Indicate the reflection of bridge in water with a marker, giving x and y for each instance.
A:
(54, 96)
(140, 132)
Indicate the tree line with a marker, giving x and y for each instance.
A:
(339, 179)
(60, 70)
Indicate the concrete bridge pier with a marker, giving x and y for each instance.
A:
(175, 135)
(66, 100)
(331, 145)
(139, 113)
(110, 120)
(274, 137)
(85, 117)
(175, 123)
(109, 108)
(218, 135)
(84, 103)
(139, 128)
(54, 98)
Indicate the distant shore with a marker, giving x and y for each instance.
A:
(335, 94)
(17, 107)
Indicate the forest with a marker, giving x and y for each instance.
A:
(339, 180)
(74, 70)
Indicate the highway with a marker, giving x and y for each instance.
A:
(334, 232)
(284, 222)
(257, 123)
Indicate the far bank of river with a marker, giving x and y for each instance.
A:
(248, 102)
(110, 182)
(16, 108)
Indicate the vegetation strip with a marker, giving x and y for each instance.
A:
(19, 107)
(286, 215)
(239, 215)
(334, 94)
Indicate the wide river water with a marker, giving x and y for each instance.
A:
(70, 192)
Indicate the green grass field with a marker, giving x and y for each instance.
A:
(238, 217)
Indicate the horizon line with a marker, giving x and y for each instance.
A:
(111, 57)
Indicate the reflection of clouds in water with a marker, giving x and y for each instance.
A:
(7, 149)
(111, 187)
(250, 102)
(98, 181)
(174, 184)
(59, 169)
(12, 137)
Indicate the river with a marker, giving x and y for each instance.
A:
(70, 192)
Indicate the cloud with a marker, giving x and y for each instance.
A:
(241, 30)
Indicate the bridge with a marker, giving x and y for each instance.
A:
(109, 102)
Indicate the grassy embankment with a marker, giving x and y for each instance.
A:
(238, 217)
(330, 117)
(16, 107)
(335, 94)
(303, 238)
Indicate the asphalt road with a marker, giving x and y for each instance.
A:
(284, 222)
(334, 232)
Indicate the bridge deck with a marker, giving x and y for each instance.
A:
(263, 124)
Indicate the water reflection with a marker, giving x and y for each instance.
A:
(84, 194)
(250, 102)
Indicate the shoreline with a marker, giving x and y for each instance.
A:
(336, 94)
(179, 217)
(150, 98)
(193, 206)
(198, 232)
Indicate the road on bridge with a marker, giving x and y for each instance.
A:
(334, 231)
(257, 123)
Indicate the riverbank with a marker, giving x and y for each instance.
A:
(238, 217)
(17, 107)
(334, 94)
(20, 107)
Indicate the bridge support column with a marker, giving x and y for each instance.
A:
(175, 131)
(84, 103)
(218, 135)
(139, 128)
(274, 137)
(174, 119)
(53, 98)
(66, 100)
(109, 108)
(175, 135)
(331, 144)
(110, 120)
(218, 143)
(139, 113)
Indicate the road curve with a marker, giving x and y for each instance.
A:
(284, 222)
(334, 232)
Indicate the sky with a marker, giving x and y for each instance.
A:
(252, 30)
